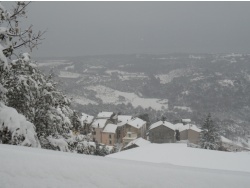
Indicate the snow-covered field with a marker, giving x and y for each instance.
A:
(180, 154)
(226, 83)
(166, 78)
(127, 75)
(111, 96)
(66, 74)
(83, 100)
(53, 63)
(29, 167)
(188, 109)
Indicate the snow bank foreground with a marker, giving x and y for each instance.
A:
(32, 167)
(180, 154)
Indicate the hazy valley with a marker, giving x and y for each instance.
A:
(173, 86)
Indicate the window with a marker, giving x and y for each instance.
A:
(110, 136)
(110, 142)
(129, 135)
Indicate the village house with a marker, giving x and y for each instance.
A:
(86, 121)
(107, 115)
(133, 129)
(162, 132)
(189, 132)
(109, 135)
(97, 127)
(130, 136)
(121, 121)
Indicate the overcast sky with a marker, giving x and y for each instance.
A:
(87, 28)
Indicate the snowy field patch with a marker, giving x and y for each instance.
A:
(66, 74)
(53, 63)
(83, 100)
(111, 96)
(166, 78)
(185, 108)
(128, 75)
(226, 83)
(71, 67)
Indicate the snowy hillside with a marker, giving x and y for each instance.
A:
(29, 167)
(177, 85)
(180, 154)
(111, 96)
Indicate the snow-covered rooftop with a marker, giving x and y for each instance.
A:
(186, 120)
(123, 119)
(105, 114)
(85, 118)
(136, 122)
(99, 123)
(181, 127)
(165, 123)
(195, 128)
(139, 142)
(178, 126)
(110, 128)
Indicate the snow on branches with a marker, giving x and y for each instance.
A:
(15, 129)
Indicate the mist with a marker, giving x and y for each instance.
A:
(92, 28)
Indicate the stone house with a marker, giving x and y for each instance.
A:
(130, 136)
(162, 132)
(97, 127)
(109, 136)
(133, 129)
(189, 132)
(121, 121)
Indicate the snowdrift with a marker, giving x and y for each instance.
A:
(32, 167)
(180, 154)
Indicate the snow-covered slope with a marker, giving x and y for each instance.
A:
(180, 154)
(111, 96)
(31, 167)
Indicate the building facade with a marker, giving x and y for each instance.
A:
(162, 132)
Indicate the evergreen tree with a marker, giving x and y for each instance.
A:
(210, 138)
(76, 123)
(23, 86)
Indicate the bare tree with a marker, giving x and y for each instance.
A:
(12, 36)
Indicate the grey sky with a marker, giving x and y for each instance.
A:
(83, 28)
